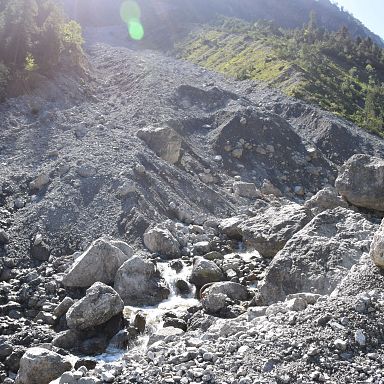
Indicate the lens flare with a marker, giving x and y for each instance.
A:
(136, 30)
(130, 13)
(130, 10)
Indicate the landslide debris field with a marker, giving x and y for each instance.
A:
(162, 224)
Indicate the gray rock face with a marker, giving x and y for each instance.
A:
(204, 272)
(270, 229)
(99, 262)
(319, 256)
(160, 240)
(165, 142)
(361, 182)
(326, 198)
(377, 247)
(139, 283)
(41, 366)
(100, 304)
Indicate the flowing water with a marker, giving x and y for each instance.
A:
(175, 303)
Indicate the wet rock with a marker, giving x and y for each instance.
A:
(87, 363)
(120, 340)
(165, 142)
(318, 256)
(99, 305)
(204, 272)
(182, 286)
(140, 322)
(99, 262)
(377, 247)
(176, 323)
(352, 181)
(160, 240)
(93, 345)
(41, 366)
(139, 283)
(68, 339)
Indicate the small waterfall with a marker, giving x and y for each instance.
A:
(175, 303)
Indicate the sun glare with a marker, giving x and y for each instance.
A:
(130, 13)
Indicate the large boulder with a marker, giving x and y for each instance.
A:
(99, 305)
(204, 272)
(234, 291)
(326, 198)
(160, 240)
(361, 182)
(318, 256)
(377, 247)
(139, 283)
(41, 366)
(270, 229)
(99, 262)
(165, 142)
(216, 297)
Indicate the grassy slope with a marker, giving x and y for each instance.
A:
(325, 80)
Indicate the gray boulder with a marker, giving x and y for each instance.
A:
(216, 297)
(361, 182)
(243, 189)
(99, 262)
(160, 240)
(318, 256)
(234, 291)
(139, 283)
(165, 142)
(167, 334)
(41, 366)
(204, 272)
(377, 247)
(214, 302)
(327, 198)
(99, 305)
(270, 229)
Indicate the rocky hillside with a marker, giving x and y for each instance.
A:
(162, 224)
(167, 18)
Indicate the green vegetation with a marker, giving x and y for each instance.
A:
(330, 69)
(35, 36)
